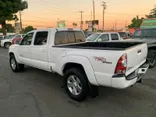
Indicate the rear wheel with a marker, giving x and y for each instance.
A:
(7, 45)
(76, 84)
(16, 67)
(151, 58)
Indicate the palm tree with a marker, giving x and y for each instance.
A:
(152, 13)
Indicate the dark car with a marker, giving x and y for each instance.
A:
(148, 36)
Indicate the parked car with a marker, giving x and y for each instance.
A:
(10, 39)
(84, 65)
(1, 37)
(87, 34)
(101, 37)
(124, 35)
(148, 36)
(6, 42)
(17, 39)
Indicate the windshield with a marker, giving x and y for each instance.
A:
(9, 36)
(93, 37)
(144, 33)
(122, 34)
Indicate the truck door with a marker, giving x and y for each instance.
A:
(24, 49)
(39, 50)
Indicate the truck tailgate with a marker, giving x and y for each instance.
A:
(136, 56)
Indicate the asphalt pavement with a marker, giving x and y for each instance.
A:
(36, 93)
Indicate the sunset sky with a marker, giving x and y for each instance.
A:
(45, 13)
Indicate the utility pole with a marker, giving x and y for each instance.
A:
(81, 20)
(104, 8)
(20, 15)
(93, 15)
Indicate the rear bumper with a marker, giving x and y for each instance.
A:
(122, 82)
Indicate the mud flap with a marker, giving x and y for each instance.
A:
(93, 90)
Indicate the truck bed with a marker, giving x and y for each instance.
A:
(102, 45)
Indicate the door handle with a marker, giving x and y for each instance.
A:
(139, 52)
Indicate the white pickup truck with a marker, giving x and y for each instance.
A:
(84, 65)
(103, 37)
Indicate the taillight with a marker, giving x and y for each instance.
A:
(13, 41)
(121, 65)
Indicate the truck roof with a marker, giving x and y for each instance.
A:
(59, 29)
(105, 32)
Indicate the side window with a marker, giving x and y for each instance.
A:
(41, 38)
(27, 39)
(104, 37)
(71, 37)
(138, 33)
(79, 36)
(61, 38)
(114, 37)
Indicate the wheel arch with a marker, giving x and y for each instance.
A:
(82, 63)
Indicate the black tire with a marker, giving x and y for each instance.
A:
(18, 67)
(7, 45)
(84, 82)
(151, 58)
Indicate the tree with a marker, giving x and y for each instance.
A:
(152, 13)
(28, 28)
(8, 10)
(136, 22)
(9, 28)
(74, 24)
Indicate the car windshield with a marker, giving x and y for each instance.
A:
(93, 37)
(122, 34)
(144, 34)
(9, 37)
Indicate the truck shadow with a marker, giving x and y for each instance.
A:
(53, 82)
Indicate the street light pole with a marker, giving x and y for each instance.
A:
(104, 8)
(93, 15)
(20, 15)
(81, 20)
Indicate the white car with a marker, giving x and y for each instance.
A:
(84, 65)
(7, 41)
(105, 36)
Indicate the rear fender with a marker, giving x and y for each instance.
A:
(78, 60)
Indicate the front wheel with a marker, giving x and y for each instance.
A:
(76, 84)
(7, 45)
(151, 58)
(16, 67)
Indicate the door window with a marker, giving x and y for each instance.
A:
(27, 39)
(114, 37)
(41, 38)
(104, 37)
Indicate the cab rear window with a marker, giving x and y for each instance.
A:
(67, 37)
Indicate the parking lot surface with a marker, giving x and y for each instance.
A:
(36, 93)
